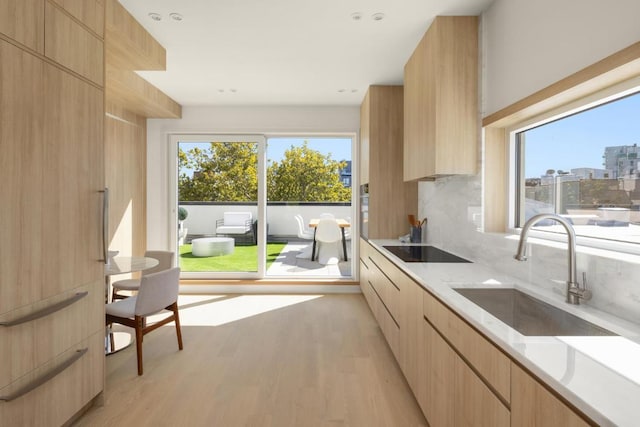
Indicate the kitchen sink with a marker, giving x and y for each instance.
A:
(529, 315)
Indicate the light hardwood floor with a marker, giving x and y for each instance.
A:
(261, 360)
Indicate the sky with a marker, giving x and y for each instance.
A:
(553, 146)
(340, 148)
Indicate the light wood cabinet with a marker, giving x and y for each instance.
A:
(438, 401)
(22, 256)
(51, 169)
(381, 130)
(89, 12)
(475, 404)
(23, 21)
(489, 362)
(454, 395)
(410, 318)
(381, 294)
(365, 114)
(60, 398)
(534, 406)
(441, 130)
(458, 376)
(73, 46)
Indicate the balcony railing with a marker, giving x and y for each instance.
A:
(202, 216)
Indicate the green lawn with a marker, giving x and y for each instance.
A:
(243, 258)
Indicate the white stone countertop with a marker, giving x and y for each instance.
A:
(600, 375)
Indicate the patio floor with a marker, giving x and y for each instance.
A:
(287, 264)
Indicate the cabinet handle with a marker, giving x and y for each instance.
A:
(45, 311)
(46, 377)
(105, 225)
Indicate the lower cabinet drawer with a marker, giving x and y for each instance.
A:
(389, 328)
(475, 404)
(386, 290)
(56, 399)
(28, 345)
(387, 324)
(493, 365)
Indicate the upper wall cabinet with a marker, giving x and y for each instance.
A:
(23, 21)
(441, 101)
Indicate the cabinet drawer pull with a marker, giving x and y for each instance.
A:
(45, 311)
(105, 225)
(46, 377)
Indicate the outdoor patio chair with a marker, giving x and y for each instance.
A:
(304, 233)
(238, 225)
(328, 236)
(157, 292)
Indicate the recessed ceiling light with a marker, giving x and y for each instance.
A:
(377, 16)
(354, 90)
(155, 16)
(356, 16)
(175, 16)
(233, 90)
(342, 90)
(221, 90)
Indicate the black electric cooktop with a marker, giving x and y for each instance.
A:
(423, 254)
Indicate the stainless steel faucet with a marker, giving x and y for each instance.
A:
(574, 291)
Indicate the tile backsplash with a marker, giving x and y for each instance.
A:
(453, 206)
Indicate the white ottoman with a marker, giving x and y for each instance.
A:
(212, 246)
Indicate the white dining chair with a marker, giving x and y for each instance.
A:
(157, 292)
(328, 237)
(165, 262)
(304, 233)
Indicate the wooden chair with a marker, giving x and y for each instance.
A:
(157, 292)
(165, 262)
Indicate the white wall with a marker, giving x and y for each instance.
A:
(227, 120)
(528, 45)
(280, 218)
(532, 44)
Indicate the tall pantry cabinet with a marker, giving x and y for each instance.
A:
(381, 130)
(52, 174)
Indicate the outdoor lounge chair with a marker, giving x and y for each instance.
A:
(239, 225)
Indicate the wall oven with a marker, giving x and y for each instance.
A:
(364, 211)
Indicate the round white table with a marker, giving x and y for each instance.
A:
(116, 341)
(212, 246)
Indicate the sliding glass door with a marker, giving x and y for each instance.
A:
(245, 211)
(219, 203)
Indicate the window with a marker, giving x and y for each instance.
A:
(582, 166)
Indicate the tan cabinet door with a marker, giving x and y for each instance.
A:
(441, 102)
(476, 405)
(21, 173)
(23, 21)
(533, 406)
(438, 401)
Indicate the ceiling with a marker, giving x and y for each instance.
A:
(286, 52)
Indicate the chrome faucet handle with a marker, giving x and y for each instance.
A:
(581, 291)
(586, 293)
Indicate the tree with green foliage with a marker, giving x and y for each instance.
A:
(226, 171)
(306, 175)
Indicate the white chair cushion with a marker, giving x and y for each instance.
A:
(122, 308)
(236, 218)
(231, 229)
(127, 284)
